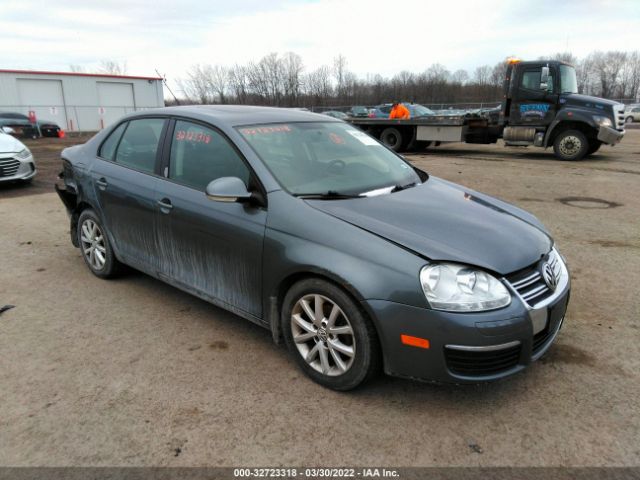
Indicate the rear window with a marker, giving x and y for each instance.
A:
(139, 144)
(108, 148)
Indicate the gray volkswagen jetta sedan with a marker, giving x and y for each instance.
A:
(312, 229)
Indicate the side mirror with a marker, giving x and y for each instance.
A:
(8, 130)
(544, 78)
(227, 189)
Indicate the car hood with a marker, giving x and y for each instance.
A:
(578, 100)
(439, 220)
(9, 144)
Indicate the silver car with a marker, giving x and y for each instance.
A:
(16, 160)
(632, 114)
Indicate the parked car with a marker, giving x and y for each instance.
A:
(632, 114)
(16, 160)
(336, 114)
(359, 112)
(311, 228)
(415, 109)
(23, 127)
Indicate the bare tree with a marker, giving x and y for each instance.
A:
(113, 67)
(292, 69)
(196, 86)
(217, 78)
(76, 68)
(281, 80)
(339, 71)
(482, 75)
(460, 76)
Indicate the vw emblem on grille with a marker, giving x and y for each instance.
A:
(549, 276)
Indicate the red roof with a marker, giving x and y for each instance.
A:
(79, 74)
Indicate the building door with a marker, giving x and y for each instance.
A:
(45, 98)
(115, 100)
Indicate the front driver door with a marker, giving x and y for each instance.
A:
(209, 247)
(533, 105)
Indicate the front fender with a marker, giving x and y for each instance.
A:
(573, 115)
(301, 240)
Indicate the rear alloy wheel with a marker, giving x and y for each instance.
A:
(571, 145)
(328, 335)
(628, 120)
(95, 247)
(393, 138)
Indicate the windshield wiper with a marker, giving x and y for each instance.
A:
(397, 188)
(328, 195)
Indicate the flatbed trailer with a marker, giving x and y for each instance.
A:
(541, 107)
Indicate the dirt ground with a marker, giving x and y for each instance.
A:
(134, 372)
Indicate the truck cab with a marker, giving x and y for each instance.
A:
(542, 107)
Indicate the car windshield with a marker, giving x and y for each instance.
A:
(568, 81)
(328, 158)
(421, 111)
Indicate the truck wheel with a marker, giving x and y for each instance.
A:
(419, 145)
(571, 145)
(594, 147)
(393, 138)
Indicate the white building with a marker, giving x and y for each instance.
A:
(77, 101)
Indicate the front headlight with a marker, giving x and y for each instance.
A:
(458, 288)
(602, 121)
(24, 154)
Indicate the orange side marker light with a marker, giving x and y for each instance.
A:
(414, 341)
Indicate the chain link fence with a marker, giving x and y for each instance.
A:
(72, 118)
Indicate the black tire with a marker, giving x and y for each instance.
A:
(421, 145)
(571, 145)
(394, 139)
(366, 360)
(111, 266)
(594, 146)
(628, 120)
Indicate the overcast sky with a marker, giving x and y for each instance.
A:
(375, 36)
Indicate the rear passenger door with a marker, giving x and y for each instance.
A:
(124, 176)
(212, 248)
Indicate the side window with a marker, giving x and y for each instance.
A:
(531, 79)
(200, 155)
(139, 144)
(636, 110)
(108, 148)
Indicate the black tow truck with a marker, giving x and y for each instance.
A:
(540, 107)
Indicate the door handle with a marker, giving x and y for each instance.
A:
(102, 183)
(165, 205)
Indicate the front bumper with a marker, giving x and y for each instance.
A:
(467, 347)
(610, 135)
(12, 170)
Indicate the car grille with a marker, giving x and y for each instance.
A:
(8, 167)
(478, 363)
(531, 285)
(618, 114)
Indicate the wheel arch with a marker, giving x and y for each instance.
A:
(280, 290)
(560, 125)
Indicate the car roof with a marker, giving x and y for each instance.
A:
(236, 115)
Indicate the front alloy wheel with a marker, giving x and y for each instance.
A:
(330, 337)
(323, 335)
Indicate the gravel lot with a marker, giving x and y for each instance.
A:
(134, 372)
